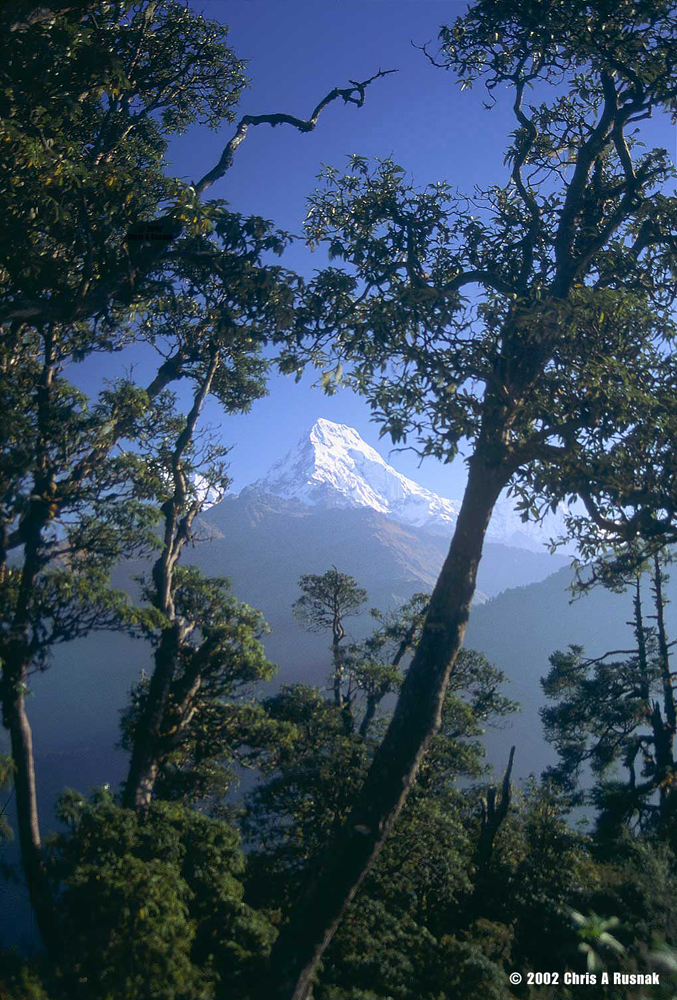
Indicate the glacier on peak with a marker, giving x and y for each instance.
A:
(333, 466)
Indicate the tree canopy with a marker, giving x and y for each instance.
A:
(554, 375)
(103, 251)
(527, 325)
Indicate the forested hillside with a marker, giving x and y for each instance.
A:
(524, 327)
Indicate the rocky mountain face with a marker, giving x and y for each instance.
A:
(332, 467)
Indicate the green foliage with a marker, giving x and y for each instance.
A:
(473, 701)
(608, 712)
(596, 939)
(589, 695)
(85, 481)
(314, 766)
(495, 41)
(558, 369)
(374, 666)
(86, 112)
(21, 980)
(379, 954)
(313, 770)
(328, 599)
(85, 165)
(635, 879)
(71, 603)
(539, 869)
(153, 906)
(219, 664)
(467, 971)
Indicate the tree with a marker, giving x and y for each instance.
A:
(314, 764)
(186, 604)
(557, 361)
(375, 664)
(184, 725)
(541, 866)
(608, 711)
(109, 87)
(153, 904)
(102, 250)
(313, 769)
(326, 602)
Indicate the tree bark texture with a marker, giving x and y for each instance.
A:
(417, 718)
(179, 515)
(28, 824)
(144, 762)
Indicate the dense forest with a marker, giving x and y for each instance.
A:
(528, 325)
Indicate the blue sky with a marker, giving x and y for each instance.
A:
(297, 51)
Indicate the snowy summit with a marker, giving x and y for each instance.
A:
(332, 466)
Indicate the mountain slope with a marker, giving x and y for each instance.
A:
(265, 543)
(331, 465)
(522, 627)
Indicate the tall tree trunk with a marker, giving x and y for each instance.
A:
(338, 635)
(179, 515)
(669, 706)
(28, 824)
(144, 762)
(314, 919)
(338, 666)
(370, 712)
(664, 723)
(16, 656)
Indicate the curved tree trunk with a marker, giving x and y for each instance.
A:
(179, 515)
(316, 916)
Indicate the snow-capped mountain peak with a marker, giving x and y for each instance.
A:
(332, 466)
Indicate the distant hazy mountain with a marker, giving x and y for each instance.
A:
(264, 543)
(522, 627)
(331, 466)
(331, 501)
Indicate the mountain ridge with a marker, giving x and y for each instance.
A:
(332, 466)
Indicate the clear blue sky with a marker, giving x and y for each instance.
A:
(297, 51)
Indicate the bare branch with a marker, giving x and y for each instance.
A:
(480, 277)
(63, 309)
(612, 652)
(431, 59)
(354, 94)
